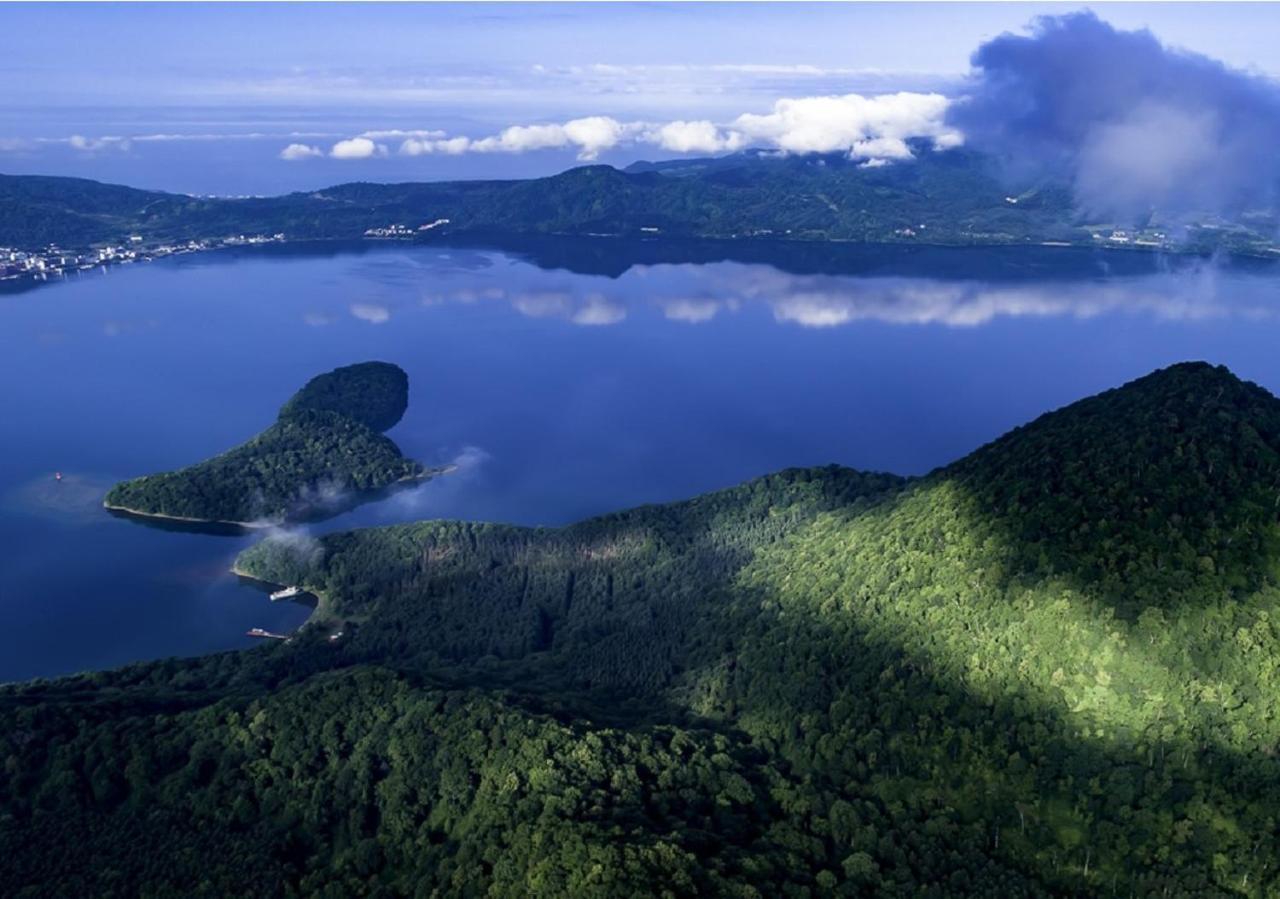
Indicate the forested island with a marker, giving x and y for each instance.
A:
(1050, 668)
(325, 449)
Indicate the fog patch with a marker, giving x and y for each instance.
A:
(297, 544)
(75, 499)
(417, 502)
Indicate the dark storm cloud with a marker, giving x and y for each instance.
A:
(1136, 125)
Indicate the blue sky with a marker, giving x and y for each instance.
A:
(205, 98)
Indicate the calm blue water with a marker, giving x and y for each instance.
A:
(561, 395)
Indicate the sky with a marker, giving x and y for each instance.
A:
(260, 99)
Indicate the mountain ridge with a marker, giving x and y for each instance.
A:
(956, 194)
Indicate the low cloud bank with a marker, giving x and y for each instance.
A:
(871, 128)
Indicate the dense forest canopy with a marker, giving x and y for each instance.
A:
(325, 445)
(1051, 668)
(375, 394)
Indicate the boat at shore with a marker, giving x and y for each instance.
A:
(285, 593)
(261, 632)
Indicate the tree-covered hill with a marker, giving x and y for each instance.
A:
(325, 445)
(375, 394)
(953, 197)
(1051, 668)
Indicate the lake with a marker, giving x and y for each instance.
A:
(564, 380)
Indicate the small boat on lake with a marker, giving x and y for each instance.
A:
(286, 593)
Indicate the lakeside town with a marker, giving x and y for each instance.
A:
(53, 262)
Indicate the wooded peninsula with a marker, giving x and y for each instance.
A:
(325, 449)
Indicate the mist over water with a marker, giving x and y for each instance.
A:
(556, 395)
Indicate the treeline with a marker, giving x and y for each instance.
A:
(1052, 668)
(324, 445)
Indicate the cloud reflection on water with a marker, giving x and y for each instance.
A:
(698, 294)
(371, 313)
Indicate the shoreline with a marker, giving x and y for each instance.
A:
(183, 519)
(265, 524)
(319, 609)
(477, 238)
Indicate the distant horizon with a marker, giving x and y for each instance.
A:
(274, 99)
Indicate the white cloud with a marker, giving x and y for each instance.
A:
(696, 137)
(416, 147)
(863, 127)
(371, 313)
(400, 134)
(93, 144)
(519, 138)
(357, 148)
(594, 134)
(591, 136)
(453, 146)
(294, 152)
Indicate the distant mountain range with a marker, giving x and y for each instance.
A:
(949, 198)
